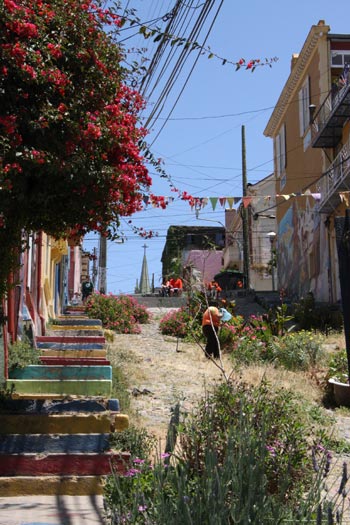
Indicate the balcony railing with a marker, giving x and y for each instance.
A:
(335, 180)
(327, 124)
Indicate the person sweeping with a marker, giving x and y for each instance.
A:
(210, 327)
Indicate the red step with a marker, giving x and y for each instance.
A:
(67, 361)
(64, 464)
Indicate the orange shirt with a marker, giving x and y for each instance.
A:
(178, 283)
(212, 315)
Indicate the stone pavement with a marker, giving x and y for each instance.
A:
(52, 510)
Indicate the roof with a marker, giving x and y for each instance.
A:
(296, 75)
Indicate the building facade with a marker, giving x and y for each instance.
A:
(260, 202)
(310, 131)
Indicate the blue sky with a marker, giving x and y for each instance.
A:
(201, 142)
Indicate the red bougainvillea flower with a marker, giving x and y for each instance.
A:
(69, 127)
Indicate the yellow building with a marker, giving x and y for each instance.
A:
(310, 131)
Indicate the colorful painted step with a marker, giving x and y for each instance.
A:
(74, 308)
(62, 373)
(72, 347)
(72, 352)
(66, 338)
(69, 361)
(63, 464)
(51, 485)
(62, 447)
(84, 387)
(81, 331)
(81, 321)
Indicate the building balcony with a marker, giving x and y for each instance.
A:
(327, 124)
(335, 180)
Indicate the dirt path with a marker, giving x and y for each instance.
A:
(162, 371)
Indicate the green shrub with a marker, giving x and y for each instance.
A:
(297, 350)
(120, 313)
(21, 354)
(245, 456)
(312, 316)
(138, 441)
(120, 387)
(338, 367)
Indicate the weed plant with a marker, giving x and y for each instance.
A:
(21, 354)
(245, 456)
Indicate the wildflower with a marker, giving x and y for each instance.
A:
(132, 472)
(139, 461)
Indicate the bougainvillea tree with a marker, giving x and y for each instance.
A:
(69, 133)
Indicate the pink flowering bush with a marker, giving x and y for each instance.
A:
(120, 313)
(175, 323)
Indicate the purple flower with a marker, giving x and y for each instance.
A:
(138, 461)
(271, 450)
(132, 472)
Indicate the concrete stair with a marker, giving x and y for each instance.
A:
(73, 363)
(55, 429)
(59, 447)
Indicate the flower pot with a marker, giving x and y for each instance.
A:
(341, 392)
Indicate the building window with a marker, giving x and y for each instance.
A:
(304, 107)
(281, 155)
(340, 58)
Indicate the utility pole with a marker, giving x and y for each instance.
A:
(245, 216)
(102, 265)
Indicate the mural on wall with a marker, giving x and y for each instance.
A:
(299, 266)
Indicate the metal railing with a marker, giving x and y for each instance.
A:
(337, 172)
(328, 106)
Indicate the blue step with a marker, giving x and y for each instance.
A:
(53, 443)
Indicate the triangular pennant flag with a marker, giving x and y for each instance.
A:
(236, 200)
(316, 196)
(247, 201)
(285, 196)
(267, 198)
(222, 201)
(307, 192)
(213, 201)
(145, 199)
(230, 201)
(204, 201)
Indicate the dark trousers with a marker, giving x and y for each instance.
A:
(212, 346)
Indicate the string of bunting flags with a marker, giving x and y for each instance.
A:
(201, 202)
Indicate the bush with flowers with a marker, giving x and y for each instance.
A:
(69, 126)
(176, 323)
(120, 313)
(246, 455)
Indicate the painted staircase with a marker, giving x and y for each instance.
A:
(55, 430)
